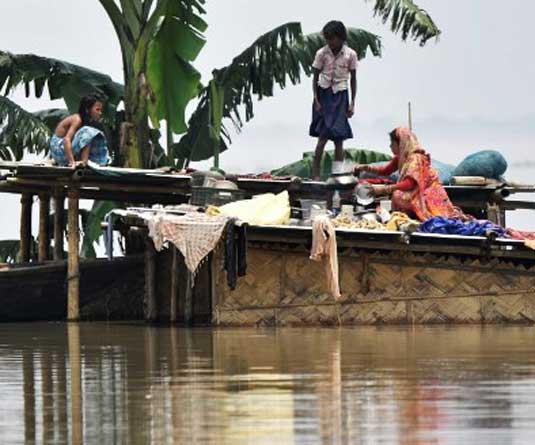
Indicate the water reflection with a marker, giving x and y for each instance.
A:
(121, 383)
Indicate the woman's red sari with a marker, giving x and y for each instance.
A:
(428, 198)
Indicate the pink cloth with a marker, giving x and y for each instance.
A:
(334, 70)
(324, 249)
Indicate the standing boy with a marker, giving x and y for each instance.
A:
(333, 65)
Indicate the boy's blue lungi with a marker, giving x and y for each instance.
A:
(85, 136)
(331, 122)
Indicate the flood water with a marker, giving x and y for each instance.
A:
(132, 384)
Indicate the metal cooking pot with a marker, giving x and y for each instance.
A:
(341, 181)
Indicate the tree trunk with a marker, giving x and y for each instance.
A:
(135, 132)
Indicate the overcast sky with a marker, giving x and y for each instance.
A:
(471, 90)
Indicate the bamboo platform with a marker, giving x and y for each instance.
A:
(58, 184)
(294, 293)
(427, 283)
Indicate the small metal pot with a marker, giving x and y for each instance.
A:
(341, 181)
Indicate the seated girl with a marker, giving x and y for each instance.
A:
(418, 191)
(78, 136)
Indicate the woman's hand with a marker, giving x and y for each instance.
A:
(381, 190)
(360, 168)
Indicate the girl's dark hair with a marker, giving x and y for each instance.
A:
(86, 104)
(393, 136)
(335, 28)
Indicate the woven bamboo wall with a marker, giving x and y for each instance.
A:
(283, 287)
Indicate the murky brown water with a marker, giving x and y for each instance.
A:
(121, 383)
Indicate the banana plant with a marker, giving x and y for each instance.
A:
(159, 40)
(276, 58)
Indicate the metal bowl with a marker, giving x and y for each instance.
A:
(363, 194)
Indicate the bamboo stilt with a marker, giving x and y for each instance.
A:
(174, 286)
(76, 383)
(73, 274)
(150, 284)
(26, 227)
(59, 225)
(44, 227)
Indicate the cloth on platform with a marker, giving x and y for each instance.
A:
(527, 237)
(398, 220)
(230, 255)
(194, 234)
(267, 209)
(85, 136)
(242, 249)
(331, 122)
(235, 252)
(452, 226)
(324, 249)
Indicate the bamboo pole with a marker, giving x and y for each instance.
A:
(73, 274)
(59, 225)
(410, 116)
(44, 227)
(26, 201)
(75, 365)
(150, 282)
(174, 286)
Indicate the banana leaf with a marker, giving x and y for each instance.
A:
(303, 168)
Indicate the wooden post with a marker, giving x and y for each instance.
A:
(410, 116)
(44, 227)
(26, 227)
(73, 274)
(174, 286)
(59, 225)
(75, 365)
(150, 282)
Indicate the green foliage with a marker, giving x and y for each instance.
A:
(9, 250)
(274, 59)
(172, 78)
(303, 168)
(408, 18)
(20, 132)
(91, 224)
(64, 80)
(159, 39)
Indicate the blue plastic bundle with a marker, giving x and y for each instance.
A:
(451, 226)
(486, 163)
